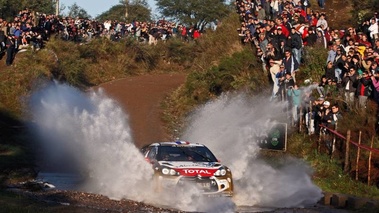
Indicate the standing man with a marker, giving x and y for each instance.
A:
(11, 48)
(290, 63)
(294, 96)
(296, 44)
(349, 82)
(373, 29)
(364, 89)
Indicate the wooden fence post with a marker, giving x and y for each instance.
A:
(346, 167)
(358, 156)
(334, 140)
(369, 162)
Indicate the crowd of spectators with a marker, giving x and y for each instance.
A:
(32, 30)
(280, 29)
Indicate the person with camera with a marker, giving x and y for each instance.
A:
(349, 82)
(330, 116)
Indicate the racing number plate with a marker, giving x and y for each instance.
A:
(204, 185)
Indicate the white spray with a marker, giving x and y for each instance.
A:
(229, 126)
(90, 133)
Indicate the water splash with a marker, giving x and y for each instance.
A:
(228, 126)
(89, 133)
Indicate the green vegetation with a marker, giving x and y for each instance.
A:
(193, 12)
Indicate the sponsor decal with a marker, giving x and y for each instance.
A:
(197, 172)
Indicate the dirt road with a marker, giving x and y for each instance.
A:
(141, 97)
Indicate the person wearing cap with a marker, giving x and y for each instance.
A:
(317, 107)
(325, 110)
(279, 23)
(278, 38)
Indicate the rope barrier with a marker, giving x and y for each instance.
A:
(351, 141)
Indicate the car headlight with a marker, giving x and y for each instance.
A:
(167, 171)
(220, 172)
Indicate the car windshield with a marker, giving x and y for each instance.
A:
(185, 153)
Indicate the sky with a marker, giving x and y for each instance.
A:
(97, 7)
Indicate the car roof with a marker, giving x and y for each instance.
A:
(177, 143)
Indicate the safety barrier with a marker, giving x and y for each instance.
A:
(347, 151)
(355, 143)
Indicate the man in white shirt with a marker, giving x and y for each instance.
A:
(373, 29)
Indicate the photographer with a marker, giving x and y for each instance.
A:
(349, 82)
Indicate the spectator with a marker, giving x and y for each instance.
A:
(274, 70)
(373, 29)
(349, 83)
(317, 108)
(330, 117)
(375, 83)
(294, 96)
(332, 53)
(321, 39)
(329, 70)
(280, 77)
(291, 64)
(296, 44)
(321, 86)
(341, 67)
(322, 23)
(284, 85)
(364, 89)
(10, 44)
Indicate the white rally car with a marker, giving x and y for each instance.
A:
(178, 163)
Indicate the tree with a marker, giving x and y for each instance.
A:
(77, 11)
(197, 13)
(137, 10)
(10, 8)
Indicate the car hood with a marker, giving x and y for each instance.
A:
(205, 169)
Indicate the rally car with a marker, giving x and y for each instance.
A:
(179, 163)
